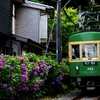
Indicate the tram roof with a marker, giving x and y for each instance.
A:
(85, 36)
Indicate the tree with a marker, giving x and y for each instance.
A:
(69, 18)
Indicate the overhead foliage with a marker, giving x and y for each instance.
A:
(68, 25)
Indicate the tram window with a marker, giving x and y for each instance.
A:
(75, 52)
(89, 51)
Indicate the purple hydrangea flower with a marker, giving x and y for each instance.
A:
(23, 89)
(44, 71)
(33, 69)
(47, 63)
(42, 81)
(60, 78)
(35, 73)
(58, 81)
(37, 68)
(35, 89)
(53, 83)
(24, 85)
(41, 62)
(24, 67)
(1, 64)
(36, 85)
(21, 58)
(5, 56)
(24, 78)
(66, 74)
(9, 67)
(41, 74)
(24, 72)
(32, 63)
(10, 88)
(2, 60)
(27, 89)
(49, 67)
(42, 65)
(5, 85)
(61, 63)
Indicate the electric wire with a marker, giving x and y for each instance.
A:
(69, 17)
(65, 4)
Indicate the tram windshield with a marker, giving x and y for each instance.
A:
(89, 51)
(84, 51)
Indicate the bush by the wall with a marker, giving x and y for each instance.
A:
(31, 75)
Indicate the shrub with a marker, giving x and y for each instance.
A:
(31, 75)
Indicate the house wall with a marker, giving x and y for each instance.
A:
(43, 28)
(5, 16)
(6, 26)
(27, 23)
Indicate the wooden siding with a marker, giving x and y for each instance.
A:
(5, 16)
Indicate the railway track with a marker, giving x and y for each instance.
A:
(86, 97)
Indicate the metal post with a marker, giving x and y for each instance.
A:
(58, 34)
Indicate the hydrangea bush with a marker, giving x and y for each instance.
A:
(30, 75)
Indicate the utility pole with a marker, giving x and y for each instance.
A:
(58, 34)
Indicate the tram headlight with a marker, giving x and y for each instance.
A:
(77, 68)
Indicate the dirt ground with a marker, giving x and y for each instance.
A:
(70, 94)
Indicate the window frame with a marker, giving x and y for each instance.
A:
(80, 43)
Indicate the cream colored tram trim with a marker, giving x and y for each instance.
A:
(69, 51)
(98, 45)
(80, 44)
(83, 42)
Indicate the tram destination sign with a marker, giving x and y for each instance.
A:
(89, 63)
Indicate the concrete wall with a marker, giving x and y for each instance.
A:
(28, 23)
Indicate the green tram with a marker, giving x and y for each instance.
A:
(84, 59)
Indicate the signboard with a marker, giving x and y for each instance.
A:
(89, 63)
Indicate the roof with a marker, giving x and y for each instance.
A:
(44, 8)
(29, 41)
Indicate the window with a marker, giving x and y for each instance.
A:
(89, 51)
(3, 51)
(75, 52)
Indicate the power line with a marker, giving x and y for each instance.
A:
(68, 17)
(65, 4)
